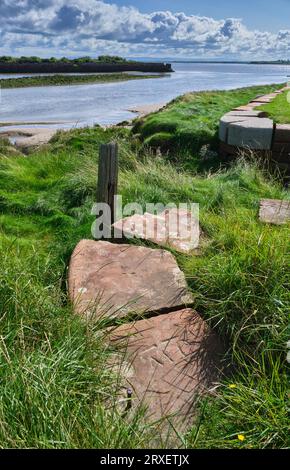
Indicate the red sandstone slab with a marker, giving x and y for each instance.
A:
(174, 228)
(111, 280)
(282, 133)
(274, 211)
(169, 360)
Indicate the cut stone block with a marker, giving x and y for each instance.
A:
(255, 133)
(244, 113)
(225, 121)
(170, 359)
(274, 211)
(175, 228)
(282, 133)
(111, 280)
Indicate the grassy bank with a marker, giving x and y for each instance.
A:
(58, 80)
(56, 390)
(191, 122)
(279, 109)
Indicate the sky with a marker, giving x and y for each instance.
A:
(153, 29)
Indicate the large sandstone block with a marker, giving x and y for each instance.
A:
(169, 360)
(225, 121)
(111, 280)
(174, 228)
(274, 211)
(254, 133)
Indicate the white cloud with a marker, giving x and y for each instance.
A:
(92, 27)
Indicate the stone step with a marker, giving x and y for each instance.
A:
(254, 133)
(274, 211)
(173, 228)
(169, 359)
(112, 280)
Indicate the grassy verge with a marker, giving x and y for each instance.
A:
(278, 109)
(61, 80)
(55, 386)
(191, 122)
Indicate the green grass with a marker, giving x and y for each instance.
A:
(56, 387)
(59, 80)
(278, 109)
(191, 122)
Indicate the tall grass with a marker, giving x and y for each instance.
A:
(278, 109)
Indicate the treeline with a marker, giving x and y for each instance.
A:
(271, 62)
(104, 59)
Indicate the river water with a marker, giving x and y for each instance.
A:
(82, 105)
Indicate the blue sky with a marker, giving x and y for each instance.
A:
(155, 29)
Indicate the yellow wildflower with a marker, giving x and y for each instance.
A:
(241, 437)
(232, 386)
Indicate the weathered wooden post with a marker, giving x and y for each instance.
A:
(108, 176)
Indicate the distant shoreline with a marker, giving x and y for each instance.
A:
(238, 62)
(66, 80)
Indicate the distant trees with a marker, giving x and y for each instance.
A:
(107, 59)
(111, 59)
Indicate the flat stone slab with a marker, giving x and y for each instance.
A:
(274, 211)
(170, 358)
(111, 280)
(247, 107)
(254, 133)
(174, 228)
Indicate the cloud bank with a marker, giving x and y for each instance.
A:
(93, 27)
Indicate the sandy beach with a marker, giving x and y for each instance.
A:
(25, 137)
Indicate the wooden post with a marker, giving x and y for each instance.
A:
(108, 176)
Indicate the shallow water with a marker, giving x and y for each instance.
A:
(108, 103)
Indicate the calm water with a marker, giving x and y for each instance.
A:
(81, 105)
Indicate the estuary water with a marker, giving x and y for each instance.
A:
(109, 103)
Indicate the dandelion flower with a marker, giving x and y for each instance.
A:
(241, 437)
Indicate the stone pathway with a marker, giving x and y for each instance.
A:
(168, 356)
(247, 130)
(274, 211)
(247, 127)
